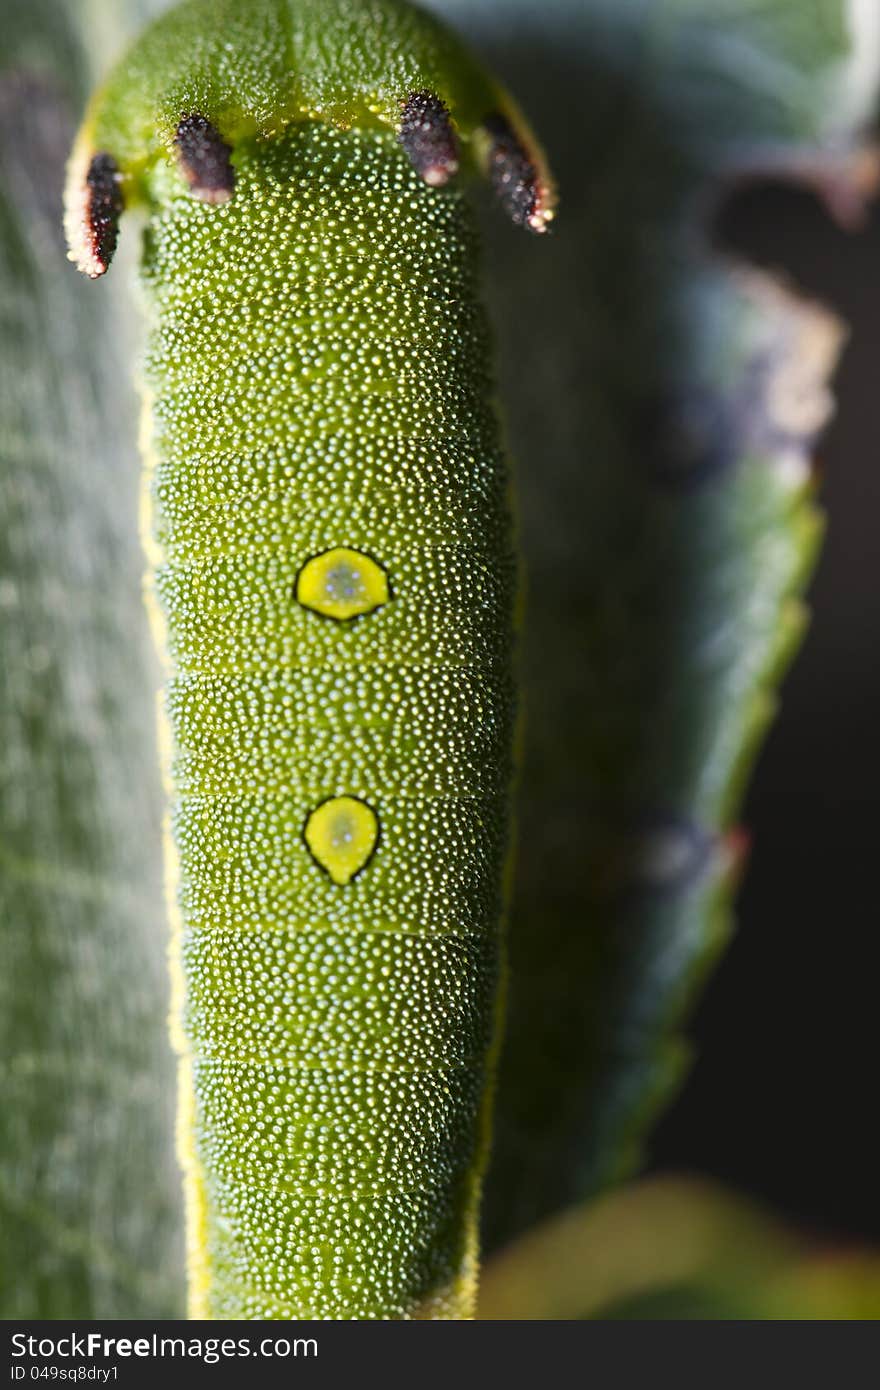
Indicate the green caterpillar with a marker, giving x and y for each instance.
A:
(334, 578)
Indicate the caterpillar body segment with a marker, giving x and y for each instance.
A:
(208, 76)
(335, 578)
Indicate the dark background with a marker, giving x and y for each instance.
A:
(781, 1099)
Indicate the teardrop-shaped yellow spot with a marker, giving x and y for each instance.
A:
(341, 835)
(342, 584)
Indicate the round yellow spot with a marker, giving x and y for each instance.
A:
(342, 584)
(341, 835)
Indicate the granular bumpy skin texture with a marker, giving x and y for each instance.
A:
(329, 392)
(333, 585)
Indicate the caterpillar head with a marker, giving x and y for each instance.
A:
(213, 73)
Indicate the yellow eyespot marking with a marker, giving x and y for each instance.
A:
(341, 836)
(342, 584)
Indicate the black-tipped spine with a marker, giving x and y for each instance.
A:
(428, 137)
(103, 209)
(205, 158)
(515, 176)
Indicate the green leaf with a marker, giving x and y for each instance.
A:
(88, 1182)
(663, 405)
(675, 1248)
